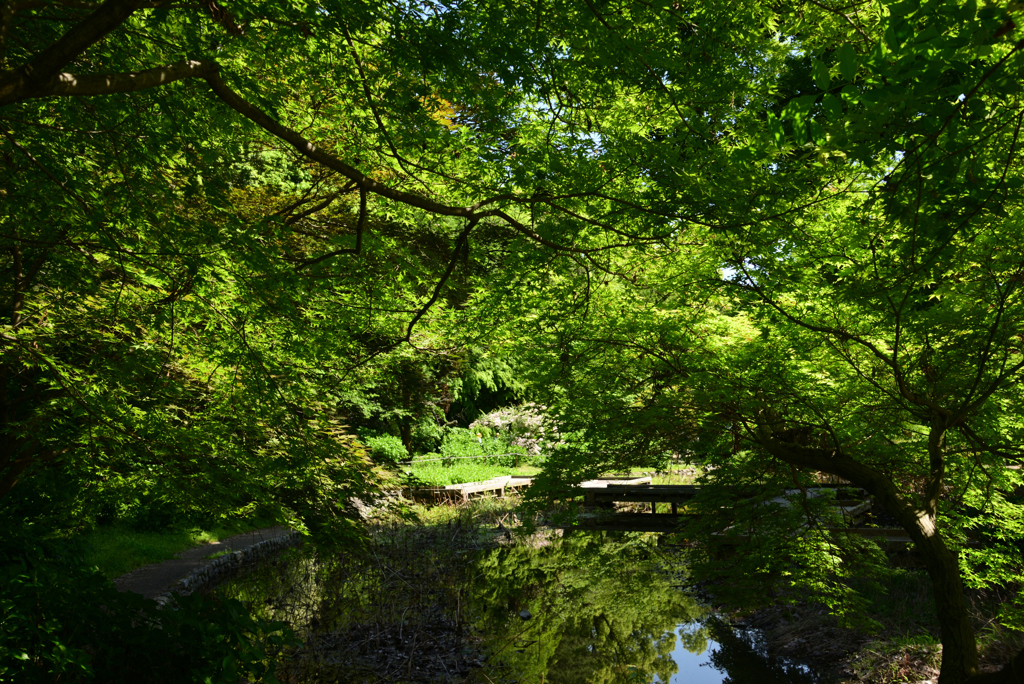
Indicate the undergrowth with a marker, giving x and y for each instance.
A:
(907, 645)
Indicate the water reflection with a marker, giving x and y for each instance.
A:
(609, 610)
(600, 611)
(731, 657)
(742, 656)
(693, 665)
(592, 608)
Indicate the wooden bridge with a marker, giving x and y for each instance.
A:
(853, 504)
(500, 486)
(457, 493)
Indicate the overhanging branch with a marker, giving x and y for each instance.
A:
(19, 84)
(460, 243)
(66, 84)
(314, 153)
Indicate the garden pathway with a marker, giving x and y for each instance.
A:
(157, 578)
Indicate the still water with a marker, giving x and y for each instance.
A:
(692, 667)
(605, 609)
(433, 604)
(743, 659)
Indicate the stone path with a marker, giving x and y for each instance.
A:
(153, 580)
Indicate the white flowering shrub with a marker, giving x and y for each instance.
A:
(519, 426)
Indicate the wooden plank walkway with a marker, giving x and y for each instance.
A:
(645, 522)
(500, 486)
(496, 486)
(605, 492)
(852, 503)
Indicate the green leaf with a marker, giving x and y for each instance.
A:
(891, 39)
(815, 130)
(904, 9)
(799, 107)
(777, 131)
(833, 107)
(820, 74)
(847, 62)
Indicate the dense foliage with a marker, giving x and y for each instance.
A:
(779, 238)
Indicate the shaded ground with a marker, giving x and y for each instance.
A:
(808, 635)
(156, 578)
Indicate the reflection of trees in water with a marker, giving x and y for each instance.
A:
(601, 612)
(695, 638)
(743, 658)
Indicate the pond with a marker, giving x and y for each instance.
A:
(448, 604)
(610, 608)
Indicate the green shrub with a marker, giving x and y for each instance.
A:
(428, 431)
(62, 622)
(461, 443)
(387, 448)
(467, 456)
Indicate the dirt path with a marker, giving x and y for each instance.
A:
(152, 580)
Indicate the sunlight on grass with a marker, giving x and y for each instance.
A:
(116, 550)
(436, 474)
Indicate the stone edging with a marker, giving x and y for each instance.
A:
(224, 567)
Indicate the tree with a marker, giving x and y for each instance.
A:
(178, 255)
(239, 181)
(875, 335)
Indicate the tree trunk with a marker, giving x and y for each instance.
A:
(959, 647)
(405, 433)
(405, 421)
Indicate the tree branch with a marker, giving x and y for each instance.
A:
(459, 244)
(904, 389)
(66, 84)
(84, 85)
(311, 151)
(19, 84)
(346, 250)
(936, 465)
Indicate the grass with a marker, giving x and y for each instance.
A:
(677, 473)
(485, 512)
(117, 549)
(437, 474)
